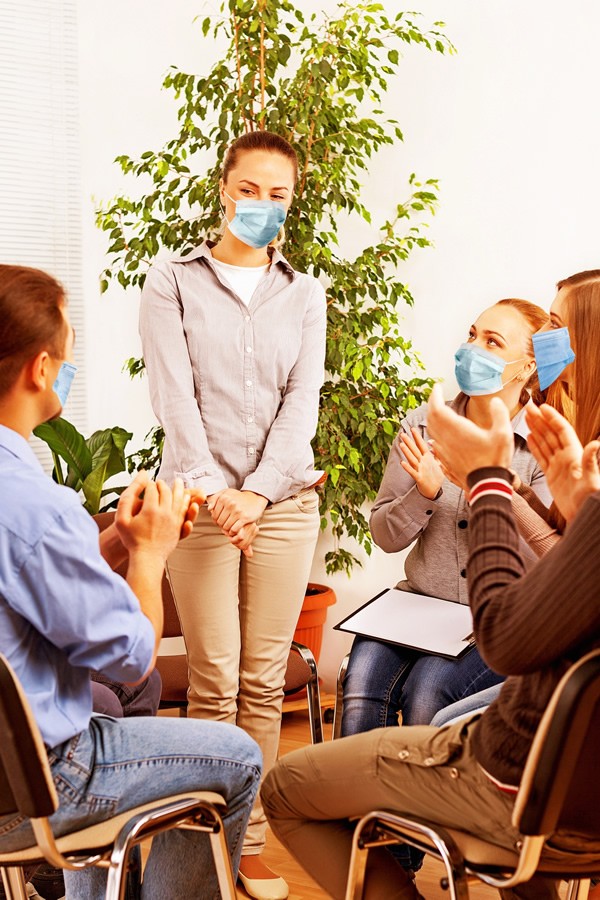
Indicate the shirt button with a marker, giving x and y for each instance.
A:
(463, 573)
(246, 318)
(429, 761)
(454, 773)
(463, 523)
(248, 384)
(248, 349)
(404, 754)
(251, 451)
(428, 512)
(250, 419)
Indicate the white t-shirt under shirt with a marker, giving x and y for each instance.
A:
(242, 279)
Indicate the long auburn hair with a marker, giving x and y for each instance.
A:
(581, 404)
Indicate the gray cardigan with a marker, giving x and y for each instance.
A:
(437, 564)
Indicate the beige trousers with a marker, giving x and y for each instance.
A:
(238, 617)
(310, 795)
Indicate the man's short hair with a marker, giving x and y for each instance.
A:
(31, 320)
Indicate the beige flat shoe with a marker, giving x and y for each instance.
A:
(265, 888)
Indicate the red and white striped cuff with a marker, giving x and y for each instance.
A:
(490, 487)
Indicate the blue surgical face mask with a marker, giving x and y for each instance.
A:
(553, 353)
(479, 372)
(256, 222)
(63, 382)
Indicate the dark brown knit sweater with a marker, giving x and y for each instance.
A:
(530, 627)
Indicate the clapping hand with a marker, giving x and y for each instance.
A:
(461, 446)
(571, 470)
(420, 463)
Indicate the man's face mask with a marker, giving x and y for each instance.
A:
(256, 222)
(553, 353)
(64, 380)
(479, 372)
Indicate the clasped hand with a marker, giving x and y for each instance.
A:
(237, 514)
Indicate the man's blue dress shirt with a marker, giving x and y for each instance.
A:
(63, 611)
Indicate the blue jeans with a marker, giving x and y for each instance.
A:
(383, 679)
(475, 703)
(120, 763)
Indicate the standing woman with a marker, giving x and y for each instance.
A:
(234, 344)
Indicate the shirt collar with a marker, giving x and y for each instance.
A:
(16, 445)
(203, 252)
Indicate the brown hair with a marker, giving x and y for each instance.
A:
(259, 140)
(31, 320)
(581, 405)
(536, 318)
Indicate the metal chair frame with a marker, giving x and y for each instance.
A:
(27, 788)
(313, 693)
(545, 798)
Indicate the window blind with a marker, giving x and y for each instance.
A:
(40, 185)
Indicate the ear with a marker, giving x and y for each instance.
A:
(40, 370)
(222, 191)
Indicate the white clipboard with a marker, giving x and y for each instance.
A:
(416, 621)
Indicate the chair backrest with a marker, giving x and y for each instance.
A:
(171, 624)
(26, 784)
(560, 788)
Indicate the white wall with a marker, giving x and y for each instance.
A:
(508, 125)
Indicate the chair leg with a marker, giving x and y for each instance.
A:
(358, 864)
(578, 889)
(339, 699)
(373, 831)
(13, 879)
(313, 693)
(222, 860)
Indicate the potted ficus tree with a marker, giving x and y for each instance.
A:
(320, 82)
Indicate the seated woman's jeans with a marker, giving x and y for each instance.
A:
(463, 708)
(383, 680)
(120, 763)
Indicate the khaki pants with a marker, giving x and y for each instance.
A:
(421, 770)
(238, 617)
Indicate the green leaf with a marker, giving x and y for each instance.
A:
(63, 439)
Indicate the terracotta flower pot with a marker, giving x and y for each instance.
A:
(309, 630)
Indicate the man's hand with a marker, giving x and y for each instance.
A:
(420, 463)
(152, 524)
(461, 446)
(571, 471)
(196, 499)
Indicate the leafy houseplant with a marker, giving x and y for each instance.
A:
(86, 465)
(320, 83)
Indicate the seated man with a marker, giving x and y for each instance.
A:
(63, 612)
(466, 774)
